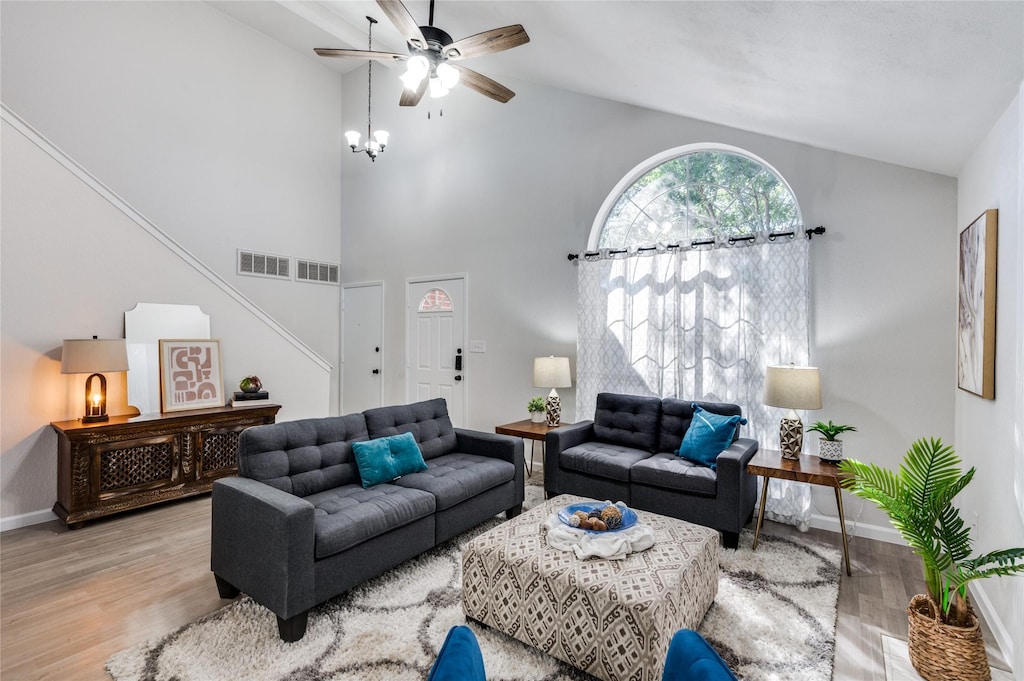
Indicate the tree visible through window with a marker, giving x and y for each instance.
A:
(700, 194)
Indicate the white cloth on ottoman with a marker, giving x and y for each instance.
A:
(610, 545)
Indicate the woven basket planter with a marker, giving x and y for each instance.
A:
(941, 652)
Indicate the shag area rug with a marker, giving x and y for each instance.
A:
(774, 618)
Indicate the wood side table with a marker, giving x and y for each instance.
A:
(528, 430)
(808, 468)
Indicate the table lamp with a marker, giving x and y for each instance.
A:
(552, 372)
(92, 356)
(792, 387)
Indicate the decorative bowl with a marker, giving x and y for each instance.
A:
(628, 515)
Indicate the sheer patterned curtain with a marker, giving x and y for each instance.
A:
(698, 324)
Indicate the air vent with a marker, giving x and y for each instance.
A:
(263, 265)
(318, 272)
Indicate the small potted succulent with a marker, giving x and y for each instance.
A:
(536, 408)
(830, 447)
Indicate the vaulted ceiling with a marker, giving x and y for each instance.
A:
(916, 83)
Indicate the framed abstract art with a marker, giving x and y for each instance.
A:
(190, 375)
(976, 309)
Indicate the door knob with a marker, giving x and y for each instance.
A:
(376, 371)
(458, 378)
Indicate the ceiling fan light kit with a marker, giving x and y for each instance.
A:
(430, 51)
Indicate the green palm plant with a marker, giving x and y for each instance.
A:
(919, 501)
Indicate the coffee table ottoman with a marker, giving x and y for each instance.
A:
(613, 619)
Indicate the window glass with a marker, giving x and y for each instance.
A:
(435, 300)
(700, 194)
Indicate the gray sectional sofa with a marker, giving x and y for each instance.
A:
(297, 526)
(627, 453)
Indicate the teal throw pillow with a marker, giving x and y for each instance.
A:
(708, 435)
(373, 459)
(406, 454)
(387, 458)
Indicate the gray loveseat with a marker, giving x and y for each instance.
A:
(627, 453)
(296, 527)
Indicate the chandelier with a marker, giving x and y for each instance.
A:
(376, 141)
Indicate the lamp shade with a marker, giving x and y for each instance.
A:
(792, 387)
(551, 372)
(89, 356)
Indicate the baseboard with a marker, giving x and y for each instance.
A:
(25, 519)
(1002, 636)
(884, 533)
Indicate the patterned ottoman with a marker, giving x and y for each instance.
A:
(611, 618)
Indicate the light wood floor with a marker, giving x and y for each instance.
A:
(71, 599)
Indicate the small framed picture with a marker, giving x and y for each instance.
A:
(190, 375)
(976, 310)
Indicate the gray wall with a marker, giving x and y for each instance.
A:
(990, 433)
(504, 192)
(220, 136)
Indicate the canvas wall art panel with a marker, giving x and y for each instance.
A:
(190, 375)
(976, 312)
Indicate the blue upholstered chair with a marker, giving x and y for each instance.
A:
(689, 658)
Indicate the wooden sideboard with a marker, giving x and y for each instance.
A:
(134, 461)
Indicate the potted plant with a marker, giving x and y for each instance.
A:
(536, 408)
(830, 447)
(944, 637)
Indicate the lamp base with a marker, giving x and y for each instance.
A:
(95, 419)
(553, 407)
(791, 438)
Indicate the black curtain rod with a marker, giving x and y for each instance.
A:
(750, 238)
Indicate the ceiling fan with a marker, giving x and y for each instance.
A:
(433, 56)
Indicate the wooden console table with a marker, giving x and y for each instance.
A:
(134, 461)
(807, 468)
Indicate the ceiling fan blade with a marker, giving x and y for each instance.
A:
(360, 54)
(404, 22)
(484, 85)
(488, 42)
(411, 98)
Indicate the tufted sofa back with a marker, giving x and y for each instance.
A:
(302, 457)
(628, 420)
(428, 422)
(676, 416)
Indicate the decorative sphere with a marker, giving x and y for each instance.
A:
(250, 384)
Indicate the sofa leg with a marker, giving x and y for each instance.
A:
(513, 512)
(731, 540)
(293, 628)
(224, 588)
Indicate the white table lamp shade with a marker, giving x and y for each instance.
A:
(551, 372)
(87, 356)
(792, 387)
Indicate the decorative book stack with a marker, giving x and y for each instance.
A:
(242, 400)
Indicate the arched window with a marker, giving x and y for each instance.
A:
(695, 192)
(435, 300)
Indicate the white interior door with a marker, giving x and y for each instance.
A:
(362, 330)
(436, 343)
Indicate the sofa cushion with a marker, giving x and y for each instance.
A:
(677, 414)
(602, 459)
(302, 457)
(385, 458)
(453, 478)
(628, 420)
(349, 515)
(428, 422)
(672, 472)
(708, 435)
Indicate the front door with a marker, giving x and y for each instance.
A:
(436, 350)
(361, 313)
